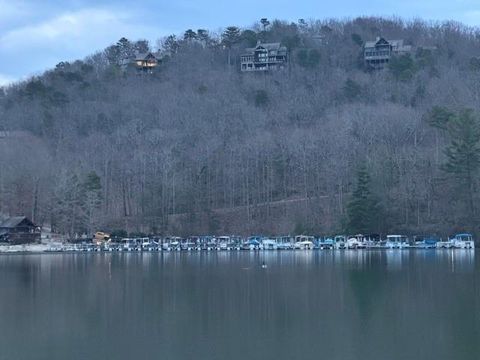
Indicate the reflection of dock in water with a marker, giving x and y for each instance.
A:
(460, 260)
(396, 259)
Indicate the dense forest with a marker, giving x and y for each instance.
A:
(325, 145)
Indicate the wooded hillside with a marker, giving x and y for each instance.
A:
(199, 147)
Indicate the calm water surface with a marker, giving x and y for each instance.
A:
(305, 305)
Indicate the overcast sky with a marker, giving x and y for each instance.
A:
(37, 34)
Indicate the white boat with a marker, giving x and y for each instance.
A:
(463, 241)
(326, 243)
(128, 244)
(356, 242)
(224, 243)
(340, 242)
(269, 244)
(304, 242)
(448, 244)
(397, 242)
(284, 243)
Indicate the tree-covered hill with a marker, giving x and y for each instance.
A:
(199, 147)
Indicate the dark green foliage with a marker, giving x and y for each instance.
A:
(73, 76)
(439, 117)
(213, 222)
(463, 154)
(424, 58)
(141, 46)
(170, 44)
(203, 36)
(363, 209)
(357, 39)
(202, 89)
(351, 90)
(261, 98)
(47, 95)
(124, 51)
(58, 98)
(402, 67)
(475, 64)
(264, 23)
(419, 94)
(249, 38)
(308, 58)
(86, 68)
(231, 36)
(301, 229)
(91, 200)
(189, 35)
(291, 41)
(92, 182)
(48, 122)
(35, 88)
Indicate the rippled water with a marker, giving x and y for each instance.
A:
(305, 305)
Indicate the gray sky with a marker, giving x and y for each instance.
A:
(37, 34)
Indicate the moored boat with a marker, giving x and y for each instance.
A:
(463, 241)
(397, 242)
(304, 242)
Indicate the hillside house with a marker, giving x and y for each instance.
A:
(263, 57)
(379, 52)
(19, 230)
(146, 62)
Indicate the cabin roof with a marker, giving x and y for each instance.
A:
(145, 56)
(15, 221)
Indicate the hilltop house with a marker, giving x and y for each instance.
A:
(19, 230)
(263, 57)
(379, 52)
(146, 62)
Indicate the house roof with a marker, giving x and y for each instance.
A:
(281, 50)
(397, 44)
(15, 221)
(145, 56)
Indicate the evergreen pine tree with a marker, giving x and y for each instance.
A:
(92, 197)
(363, 209)
(463, 154)
(230, 37)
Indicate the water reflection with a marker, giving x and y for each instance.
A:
(304, 305)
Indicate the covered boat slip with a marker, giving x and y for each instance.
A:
(282, 243)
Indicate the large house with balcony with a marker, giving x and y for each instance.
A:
(263, 57)
(379, 52)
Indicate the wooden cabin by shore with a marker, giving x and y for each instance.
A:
(19, 230)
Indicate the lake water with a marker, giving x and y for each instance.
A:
(305, 305)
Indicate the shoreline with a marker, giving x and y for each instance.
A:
(48, 250)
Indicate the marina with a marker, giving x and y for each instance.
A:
(252, 243)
